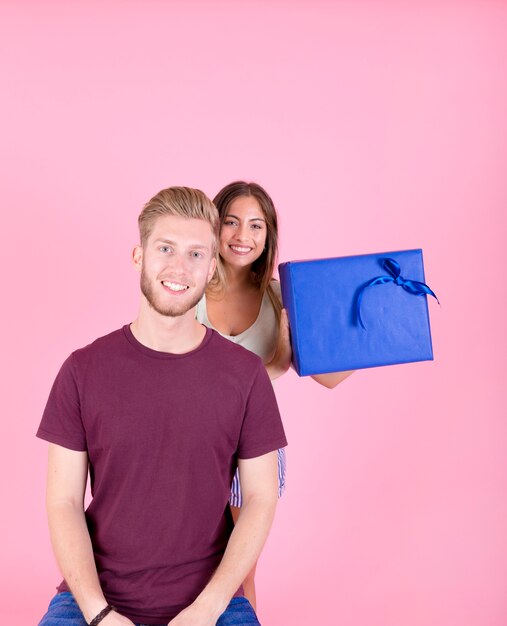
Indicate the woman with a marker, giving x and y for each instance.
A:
(243, 301)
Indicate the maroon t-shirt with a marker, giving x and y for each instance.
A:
(163, 433)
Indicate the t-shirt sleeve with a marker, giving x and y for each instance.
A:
(262, 429)
(61, 422)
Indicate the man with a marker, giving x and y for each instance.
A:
(161, 412)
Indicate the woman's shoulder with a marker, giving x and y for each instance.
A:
(274, 292)
(201, 313)
(276, 288)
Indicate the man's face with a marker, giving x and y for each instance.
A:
(176, 264)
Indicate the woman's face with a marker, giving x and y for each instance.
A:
(243, 233)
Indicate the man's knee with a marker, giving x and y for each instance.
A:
(238, 613)
(63, 611)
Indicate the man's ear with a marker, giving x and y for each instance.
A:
(137, 257)
(212, 268)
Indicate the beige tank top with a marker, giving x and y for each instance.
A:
(261, 336)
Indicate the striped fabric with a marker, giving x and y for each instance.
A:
(235, 498)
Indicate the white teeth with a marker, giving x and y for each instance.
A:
(174, 286)
(240, 249)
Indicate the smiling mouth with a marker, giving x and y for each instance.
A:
(178, 287)
(240, 249)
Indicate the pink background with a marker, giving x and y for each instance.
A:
(375, 126)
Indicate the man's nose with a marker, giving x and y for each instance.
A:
(177, 263)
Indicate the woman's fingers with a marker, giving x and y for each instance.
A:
(284, 347)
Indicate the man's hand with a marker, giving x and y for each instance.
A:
(197, 614)
(115, 619)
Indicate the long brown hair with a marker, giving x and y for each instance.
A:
(263, 267)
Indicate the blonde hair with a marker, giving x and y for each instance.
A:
(182, 201)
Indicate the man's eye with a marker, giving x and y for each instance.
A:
(165, 248)
(196, 255)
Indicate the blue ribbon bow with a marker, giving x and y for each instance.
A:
(393, 267)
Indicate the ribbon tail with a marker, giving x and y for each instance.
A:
(358, 307)
(419, 289)
(379, 280)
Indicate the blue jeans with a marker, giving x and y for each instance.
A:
(64, 611)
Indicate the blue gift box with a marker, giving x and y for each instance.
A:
(355, 312)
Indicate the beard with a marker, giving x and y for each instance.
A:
(173, 309)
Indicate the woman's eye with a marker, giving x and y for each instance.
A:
(257, 226)
(230, 223)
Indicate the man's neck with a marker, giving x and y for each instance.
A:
(176, 335)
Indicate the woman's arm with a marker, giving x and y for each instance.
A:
(282, 357)
(332, 379)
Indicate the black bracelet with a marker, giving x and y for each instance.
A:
(98, 618)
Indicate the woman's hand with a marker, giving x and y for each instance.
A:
(282, 357)
(331, 380)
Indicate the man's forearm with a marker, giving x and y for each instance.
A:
(74, 555)
(243, 550)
